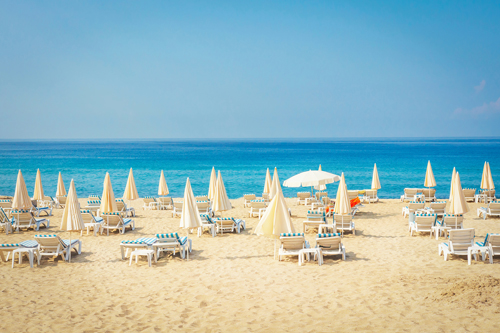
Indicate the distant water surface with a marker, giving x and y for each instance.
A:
(400, 162)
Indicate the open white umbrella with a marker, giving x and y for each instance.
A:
(429, 176)
(275, 186)
(61, 190)
(162, 188)
(311, 178)
(220, 201)
(276, 219)
(342, 203)
(375, 180)
(267, 184)
(212, 185)
(320, 187)
(458, 205)
(72, 217)
(21, 198)
(108, 202)
(38, 192)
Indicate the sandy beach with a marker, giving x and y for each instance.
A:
(389, 281)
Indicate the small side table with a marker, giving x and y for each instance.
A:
(475, 250)
(419, 197)
(315, 250)
(147, 253)
(24, 250)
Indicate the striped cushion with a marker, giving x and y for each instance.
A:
(66, 241)
(291, 234)
(257, 200)
(207, 217)
(314, 212)
(4, 200)
(9, 245)
(29, 243)
(85, 211)
(20, 211)
(142, 240)
(171, 235)
(112, 213)
(201, 201)
(149, 197)
(45, 236)
(425, 214)
(452, 215)
(119, 200)
(328, 235)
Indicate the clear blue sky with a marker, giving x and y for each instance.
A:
(207, 69)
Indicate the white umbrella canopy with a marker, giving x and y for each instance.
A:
(21, 198)
(275, 186)
(320, 187)
(108, 202)
(375, 180)
(268, 183)
(220, 201)
(342, 203)
(429, 176)
(38, 192)
(311, 178)
(162, 188)
(190, 217)
(458, 205)
(130, 189)
(61, 190)
(212, 185)
(72, 217)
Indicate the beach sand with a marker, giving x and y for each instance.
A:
(389, 281)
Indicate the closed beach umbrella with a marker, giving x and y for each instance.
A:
(21, 197)
(275, 186)
(190, 218)
(458, 205)
(429, 176)
(61, 190)
(487, 179)
(267, 184)
(108, 202)
(72, 217)
(276, 219)
(375, 180)
(38, 193)
(342, 203)
(212, 185)
(130, 189)
(452, 180)
(220, 201)
(162, 188)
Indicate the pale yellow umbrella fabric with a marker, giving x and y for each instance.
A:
(429, 176)
(220, 201)
(162, 188)
(212, 185)
(61, 190)
(21, 198)
(458, 205)
(342, 203)
(130, 189)
(108, 202)
(375, 180)
(72, 217)
(190, 217)
(268, 182)
(38, 192)
(490, 178)
(275, 186)
(320, 169)
(485, 179)
(452, 180)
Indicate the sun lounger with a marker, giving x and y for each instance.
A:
(177, 208)
(370, 196)
(330, 244)
(165, 202)
(150, 203)
(424, 223)
(265, 197)
(139, 243)
(93, 205)
(319, 195)
(30, 248)
(122, 207)
(247, 198)
(257, 208)
(207, 223)
(352, 194)
(25, 219)
(302, 196)
(171, 242)
(61, 201)
(204, 207)
(90, 221)
(429, 193)
(202, 198)
(493, 209)
(410, 194)
(94, 197)
(54, 246)
(413, 207)
(116, 222)
(458, 244)
(291, 244)
(494, 246)
(438, 207)
(469, 194)
(5, 222)
(229, 224)
(6, 205)
(42, 209)
(449, 221)
(314, 219)
(344, 223)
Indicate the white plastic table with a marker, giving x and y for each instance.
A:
(475, 250)
(22, 250)
(313, 250)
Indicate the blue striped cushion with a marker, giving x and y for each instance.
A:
(328, 235)
(127, 221)
(20, 211)
(451, 215)
(148, 197)
(98, 219)
(315, 212)
(171, 235)
(183, 240)
(5, 201)
(291, 234)
(201, 201)
(9, 245)
(425, 214)
(112, 213)
(257, 200)
(85, 211)
(29, 243)
(66, 241)
(132, 242)
(45, 236)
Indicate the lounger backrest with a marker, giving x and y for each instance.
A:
(50, 242)
(202, 198)
(450, 219)
(148, 200)
(342, 221)
(352, 194)
(61, 199)
(490, 193)
(265, 196)
(410, 192)
(439, 205)
(461, 239)
(202, 204)
(429, 192)
(313, 215)
(371, 193)
(120, 205)
(3, 216)
(206, 217)
(416, 205)
(93, 202)
(112, 219)
(168, 238)
(293, 241)
(325, 200)
(469, 192)
(225, 221)
(22, 217)
(87, 216)
(249, 197)
(94, 197)
(303, 195)
(5, 204)
(178, 205)
(425, 221)
(165, 200)
(258, 204)
(494, 206)
(329, 241)
(494, 240)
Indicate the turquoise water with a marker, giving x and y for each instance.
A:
(401, 163)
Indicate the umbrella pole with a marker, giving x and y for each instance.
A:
(275, 248)
(69, 251)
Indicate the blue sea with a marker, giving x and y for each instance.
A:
(401, 163)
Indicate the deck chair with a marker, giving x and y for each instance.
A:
(116, 222)
(177, 208)
(25, 219)
(5, 222)
(314, 219)
(93, 205)
(61, 201)
(8, 248)
(207, 223)
(410, 193)
(494, 246)
(423, 223)
(412, 207)
(458, 244)
(493, 209)
(302, 196)
(330, 244)
(450, 221)
(204, 207)
(149, 203)
(54, 246)
(229, 224)
(122, 207)
(257, 208)
(247, 198)
(469, 194)
(165, 202)
(344, 223)
(202, 198)
(438, 207)
(370, 196)
(139, 243)
(353, 194)
(90, 221)
(265, 197)
(429, 193)
(171, 242)
(291, 244)
(94, 197)
(6, 205)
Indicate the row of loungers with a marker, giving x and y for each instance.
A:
(419, 194)
(295, 244)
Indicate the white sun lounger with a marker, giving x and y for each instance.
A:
(177, 208)
(25, 219)
(423, 223)
(172, 241)
(139, 243)
(314, 219)
(247, 198)
(344, 223)
(330, 244)
(5, 222)
(116, 222)
(291, 244)
(123, 208)
(90, 221)
(53, 246)
(412, 207)
(493, 209)
(494, 246)
(458, 244)
(257, 208)
(229, 224)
